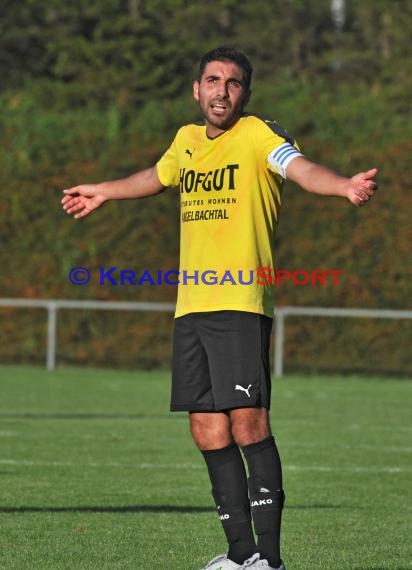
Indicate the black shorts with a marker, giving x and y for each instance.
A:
(221, 361)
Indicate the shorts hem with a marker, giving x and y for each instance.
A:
(190, 408)
(220, 408)
(235, 406)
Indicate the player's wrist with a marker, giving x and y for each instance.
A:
(105, 191)
(346, 189)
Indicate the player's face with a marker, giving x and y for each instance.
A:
(222, 95)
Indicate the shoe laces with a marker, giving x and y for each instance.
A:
(256, 562)
(253, 561)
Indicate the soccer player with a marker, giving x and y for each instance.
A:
(229, 169)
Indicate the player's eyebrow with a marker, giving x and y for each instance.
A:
(229, 79)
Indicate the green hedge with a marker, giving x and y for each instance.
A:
(45, 150)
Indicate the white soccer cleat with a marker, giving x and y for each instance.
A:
(222, 562)
(256, 562)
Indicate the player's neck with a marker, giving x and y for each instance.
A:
(213, 132)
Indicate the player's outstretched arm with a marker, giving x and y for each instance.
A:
(321, 180)
(82, 200)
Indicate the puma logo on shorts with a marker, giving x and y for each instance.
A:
(246, 390)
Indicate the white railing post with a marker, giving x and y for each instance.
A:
(279, 341)
(51, 335)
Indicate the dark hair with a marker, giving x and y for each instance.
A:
(228, 54)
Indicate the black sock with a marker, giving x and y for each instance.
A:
(266, 496)
(229, 488)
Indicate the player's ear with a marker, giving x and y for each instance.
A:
(196, 90)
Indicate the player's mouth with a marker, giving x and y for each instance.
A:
(219, 108)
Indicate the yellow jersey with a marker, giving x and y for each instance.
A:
(230, 192)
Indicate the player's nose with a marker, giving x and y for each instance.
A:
(222, 89)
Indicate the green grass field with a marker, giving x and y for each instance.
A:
(96, 473)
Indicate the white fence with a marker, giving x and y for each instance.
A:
(53, 305)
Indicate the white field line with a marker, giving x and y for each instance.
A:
(296, 445)
(195, 466)
(353, 447)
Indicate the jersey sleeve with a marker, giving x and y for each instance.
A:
(281, 157)
(168, 167)
(277, 147)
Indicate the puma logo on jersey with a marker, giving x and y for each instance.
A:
(246, 390)
(190, 153)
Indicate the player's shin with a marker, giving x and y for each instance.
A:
(266, 497)
(230, 492)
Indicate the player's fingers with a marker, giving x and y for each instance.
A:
(71, 191)
(70, 203)
(355, 199)
(361, 196)
(67, 199)
(74, 206)
(366, 188)
(367, 176)
(83, 213)
(365, 179)
(369, 191)
(371, 173)
(75, 209)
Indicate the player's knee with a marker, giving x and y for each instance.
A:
(249, 425)
(210, 431)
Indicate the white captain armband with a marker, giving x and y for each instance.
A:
(279, 158)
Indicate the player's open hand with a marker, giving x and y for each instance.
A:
(362, 187)
(82, 200)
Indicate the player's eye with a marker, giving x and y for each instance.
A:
(235, 83)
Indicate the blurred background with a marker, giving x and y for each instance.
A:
(96, 91)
